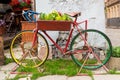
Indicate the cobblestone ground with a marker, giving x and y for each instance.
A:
(114, 35)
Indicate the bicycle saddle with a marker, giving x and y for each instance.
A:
(74, 14)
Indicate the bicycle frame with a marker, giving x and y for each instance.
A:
(83, 48)
(63, 50)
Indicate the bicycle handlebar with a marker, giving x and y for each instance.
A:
(29, 15)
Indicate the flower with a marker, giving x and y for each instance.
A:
(21, 3)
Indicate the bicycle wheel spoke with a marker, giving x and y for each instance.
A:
(22, 58)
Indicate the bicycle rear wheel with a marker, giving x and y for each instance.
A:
(94, 53)
(24, 54)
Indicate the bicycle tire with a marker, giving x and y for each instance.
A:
(24, 54)
(99, 43)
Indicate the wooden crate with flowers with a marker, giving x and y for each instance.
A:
(53, 21)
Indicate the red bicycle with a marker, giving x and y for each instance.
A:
(89, 48)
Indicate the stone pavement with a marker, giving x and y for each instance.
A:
(113, 34)
(96, 77)
(6, 69)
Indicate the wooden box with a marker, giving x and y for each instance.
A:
(54, 25)
(44, 25)
(28, 26)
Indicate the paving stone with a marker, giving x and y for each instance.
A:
(79, 78)
(5, 75)
(27, 78)
(53, 77)
(2, 75)
(107, 77)
(9, 66)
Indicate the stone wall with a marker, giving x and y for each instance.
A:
(113, 22)
(92, 10)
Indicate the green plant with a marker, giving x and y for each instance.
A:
(55, 15)
(53, 67)
(8, 60)
(116, 51)
(90, 74)
(113, 71)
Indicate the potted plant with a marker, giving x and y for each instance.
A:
(18, 5)
(114, 62)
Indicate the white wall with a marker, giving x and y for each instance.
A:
(93, 10)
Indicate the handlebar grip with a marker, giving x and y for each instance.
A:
(29, 15)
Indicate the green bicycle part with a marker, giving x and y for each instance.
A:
(100, 45)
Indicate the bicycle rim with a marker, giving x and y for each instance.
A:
(24, 54)
(100, 45)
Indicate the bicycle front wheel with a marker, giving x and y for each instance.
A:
(23, 53)
(93, 51)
